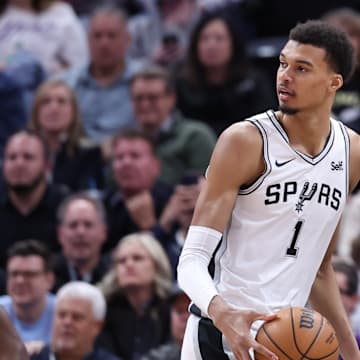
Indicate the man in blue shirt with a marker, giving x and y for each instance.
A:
(102, 85)
(29, 304)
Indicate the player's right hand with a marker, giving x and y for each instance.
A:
(235, 326)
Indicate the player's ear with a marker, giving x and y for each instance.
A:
(336, 82)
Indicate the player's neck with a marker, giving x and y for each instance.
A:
(307, 133)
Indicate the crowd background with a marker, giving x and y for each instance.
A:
(109, 114)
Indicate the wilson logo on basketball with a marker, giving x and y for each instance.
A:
(307, 320)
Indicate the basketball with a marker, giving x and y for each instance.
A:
(299, 333)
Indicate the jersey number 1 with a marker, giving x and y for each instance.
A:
(292, 250)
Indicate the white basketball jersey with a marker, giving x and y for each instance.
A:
(281, 226)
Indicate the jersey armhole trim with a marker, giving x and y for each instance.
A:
(347, 154)
(260, 179)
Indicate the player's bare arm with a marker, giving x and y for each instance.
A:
(325, 298)
(354, 159)
(325, 295)
(237, 160)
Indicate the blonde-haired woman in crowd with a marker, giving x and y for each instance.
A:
(75, 162)
(137, 289)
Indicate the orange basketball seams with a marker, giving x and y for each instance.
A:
(299, 334)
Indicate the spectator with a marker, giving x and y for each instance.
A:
(174, 222)
(161, 34)
(217, 84)
(75, 161)
(42, 29)
(177, 140)
(29, 280)
(101, 86)
(347, 101)
(138, 197)
(81, 233)
(347, 279)
(349, 228)
(178, 317)
(11, 346)
(79, 315)
(240, 12)
(355, 258)
(136, 290)
(28, 206)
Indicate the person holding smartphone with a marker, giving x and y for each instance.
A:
(174, 222)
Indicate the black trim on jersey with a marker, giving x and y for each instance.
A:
(313, 160)
(210, 341)
(211, 266)
(256, 184)
(272, 116)
(347, 154)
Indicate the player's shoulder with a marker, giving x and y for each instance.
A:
(241, 134)
(241, 131)
(239, 147)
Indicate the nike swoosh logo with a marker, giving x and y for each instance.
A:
(278, 163)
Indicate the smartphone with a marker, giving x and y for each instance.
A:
(170, 39)
(189, 178)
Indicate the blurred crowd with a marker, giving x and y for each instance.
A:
(110, 112)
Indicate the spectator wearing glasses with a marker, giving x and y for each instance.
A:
(29, 280)
(181, 144)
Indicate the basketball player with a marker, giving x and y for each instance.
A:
(11, 347)
(275, 190)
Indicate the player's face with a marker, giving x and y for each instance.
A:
(55, 112)
(27, 280)
(134, 165)
(215, 46)
(304, 78)
(108, 40)
(82, 232)
(24, 161)
(152, 103)
(134, 266)
(74, 328)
